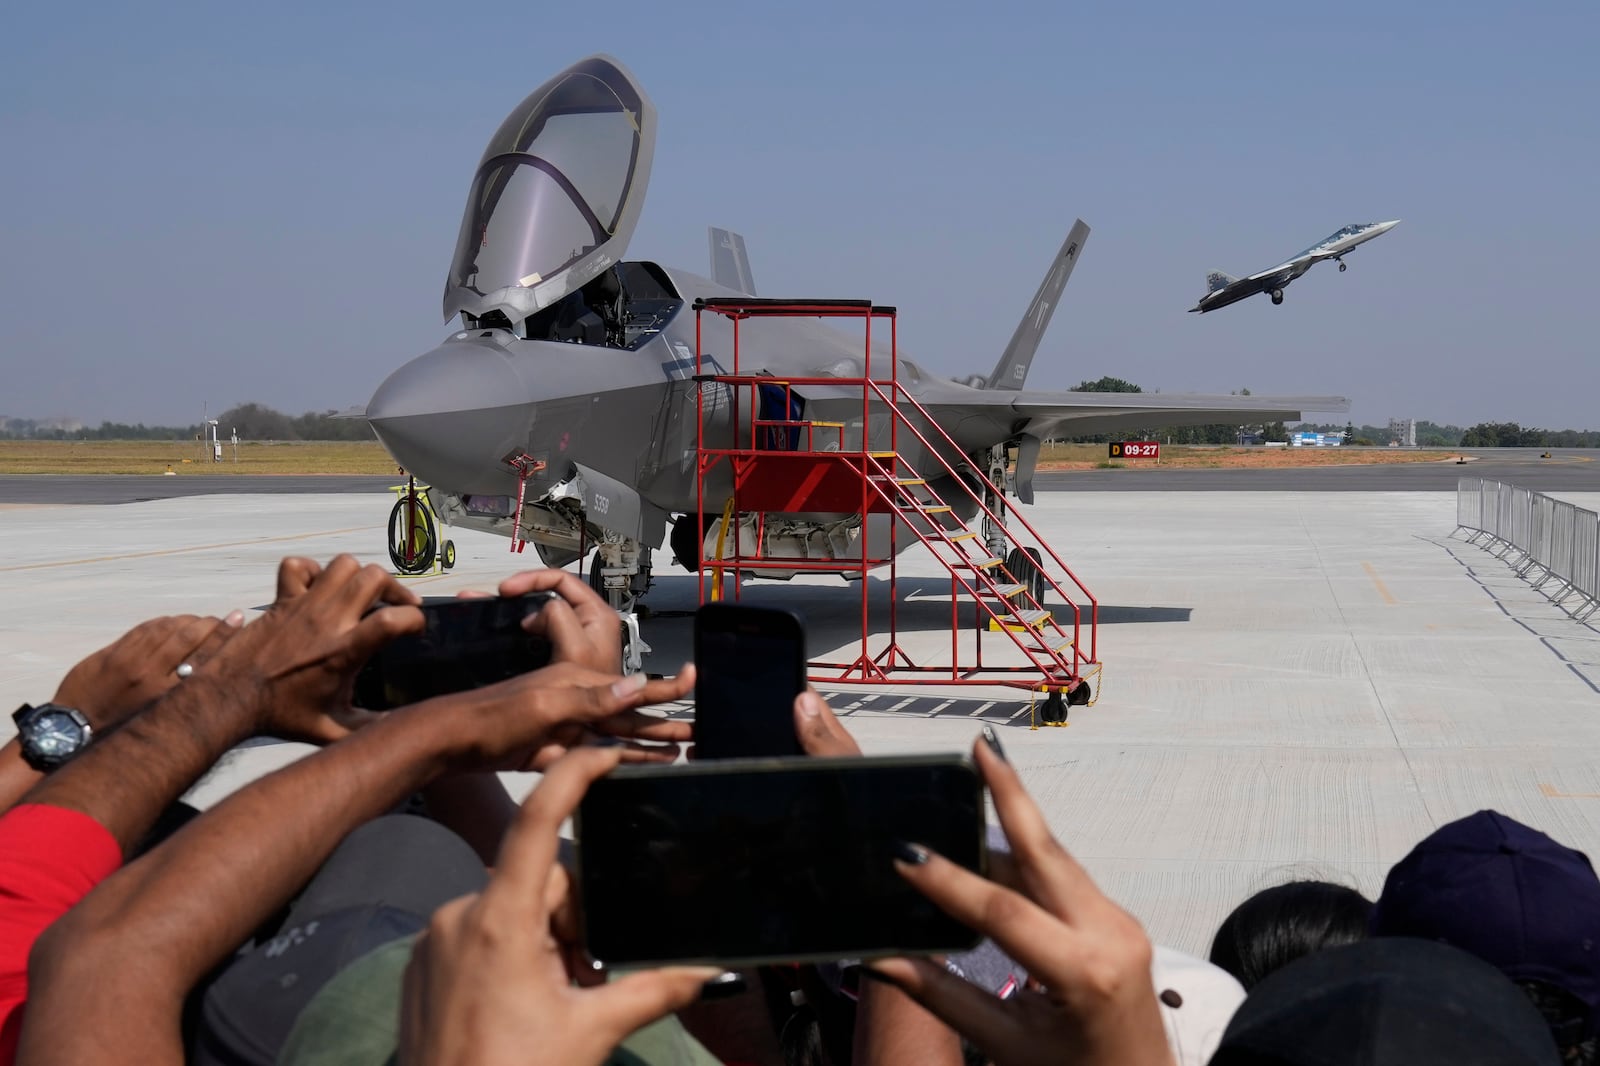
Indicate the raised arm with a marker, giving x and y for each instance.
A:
(139, 943)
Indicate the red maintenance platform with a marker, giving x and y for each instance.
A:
(817, 469)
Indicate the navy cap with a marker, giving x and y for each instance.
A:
(1506, 893)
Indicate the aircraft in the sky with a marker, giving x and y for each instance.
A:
(1224, 289)
(577, 367)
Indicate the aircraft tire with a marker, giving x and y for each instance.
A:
(1277, 297)
(424, 541)
(597, 579)
(1025, 568)
(1342, 268)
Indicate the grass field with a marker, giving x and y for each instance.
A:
(190, 459)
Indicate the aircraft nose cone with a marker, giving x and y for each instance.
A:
(452, 415)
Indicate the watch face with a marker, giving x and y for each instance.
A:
(55, 734)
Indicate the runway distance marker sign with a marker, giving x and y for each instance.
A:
(1135, 449)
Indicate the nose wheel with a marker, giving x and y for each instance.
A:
(1342, 267)
(1277, 296)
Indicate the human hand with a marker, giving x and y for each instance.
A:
(302, 655)
(1098, 1005)
(820, 732)
(580, 626)
(488, 983)
(132, 672)
(528, 722)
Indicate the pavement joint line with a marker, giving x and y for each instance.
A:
(1366, 669)
(1383, 590)
(179, 551)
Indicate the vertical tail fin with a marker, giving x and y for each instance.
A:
(730, 264)
(1012, 369)
(1216, 280)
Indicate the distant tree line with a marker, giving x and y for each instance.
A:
(252, 421)
(1429, 434)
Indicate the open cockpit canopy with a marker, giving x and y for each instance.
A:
(556, 195)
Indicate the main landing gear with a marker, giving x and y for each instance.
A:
(1342, 267)
(1277, 296)
(620, 571)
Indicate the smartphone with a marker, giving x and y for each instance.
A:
(463, 644)
(750, 664)
(753, 861)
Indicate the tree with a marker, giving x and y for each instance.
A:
(1107, 384)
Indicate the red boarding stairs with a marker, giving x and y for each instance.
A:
(1059, 654)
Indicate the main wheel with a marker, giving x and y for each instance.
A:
(1277, 296)
(1342, 267)
(412, 540)
(683, 541)
(597, 579)
(1025, 568)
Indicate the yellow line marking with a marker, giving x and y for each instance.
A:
(181, 551)
(1551, 792)
(1383, 590)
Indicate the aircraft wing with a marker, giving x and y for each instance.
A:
(1063, 414)
(1280, 275)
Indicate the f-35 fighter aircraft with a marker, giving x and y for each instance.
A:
(576, 366)
(1224, 289)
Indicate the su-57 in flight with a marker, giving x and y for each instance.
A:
(577, 366)
(1224, 289)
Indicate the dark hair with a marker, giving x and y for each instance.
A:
(1278, 925)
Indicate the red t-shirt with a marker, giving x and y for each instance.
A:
(50, 858)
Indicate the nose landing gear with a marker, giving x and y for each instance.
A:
(1342, 267)
(1277, 297)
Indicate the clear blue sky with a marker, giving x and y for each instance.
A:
(220, 203)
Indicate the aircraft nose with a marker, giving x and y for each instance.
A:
(452, 415)
(1385, 227)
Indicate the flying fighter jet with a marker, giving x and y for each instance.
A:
(1224, 289)
(576, 367)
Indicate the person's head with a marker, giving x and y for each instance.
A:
(1516, 899)
(1387, 1000)
(1278, 925)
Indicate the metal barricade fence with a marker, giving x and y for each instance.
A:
(1559, 539)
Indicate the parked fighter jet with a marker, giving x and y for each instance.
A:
(1224, 289)
(576, 366)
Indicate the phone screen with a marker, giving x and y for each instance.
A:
(750, 664)
(464, 644)
(772, 860)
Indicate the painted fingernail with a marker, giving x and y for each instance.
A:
(990, 738)
(628, 686)
(910, 853)
(723, 986)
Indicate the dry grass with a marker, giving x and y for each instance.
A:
(1095, 456)
(189, 458)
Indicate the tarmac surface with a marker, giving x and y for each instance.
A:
(1296, 683)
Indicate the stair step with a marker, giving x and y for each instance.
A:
(827, 425)
(978, 564)
(1007, 591)
(968, 535)
(1019, 620)
(1058, 647)
(941, 508)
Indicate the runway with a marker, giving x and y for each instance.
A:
(1568, 470)
(1296, 683)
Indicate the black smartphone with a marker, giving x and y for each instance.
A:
(463, 644)
(750, 664)
(751, 861)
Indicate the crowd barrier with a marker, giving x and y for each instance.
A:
(1548, 541)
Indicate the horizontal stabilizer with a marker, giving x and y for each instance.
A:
(1216, 279)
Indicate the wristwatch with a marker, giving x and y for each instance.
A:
(51, 734)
